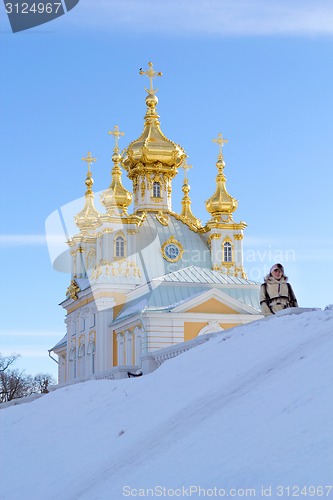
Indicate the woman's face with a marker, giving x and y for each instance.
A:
(277, 273)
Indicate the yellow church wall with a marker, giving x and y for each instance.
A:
(191, 330)
(115, 345)
(120, 299)
(213, 306)
(225, 326)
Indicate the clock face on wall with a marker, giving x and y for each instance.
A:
(172, 250)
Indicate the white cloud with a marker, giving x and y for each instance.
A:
(26, 353)
(28, 239)
(216, 17)
(31, 334)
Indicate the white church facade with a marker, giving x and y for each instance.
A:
(154, 278)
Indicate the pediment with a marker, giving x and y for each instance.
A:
(213, 306)
(214, 301)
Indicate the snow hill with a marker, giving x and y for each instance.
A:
(248, 413)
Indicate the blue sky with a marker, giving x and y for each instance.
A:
(259, 72)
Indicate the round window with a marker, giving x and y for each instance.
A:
(172, 251)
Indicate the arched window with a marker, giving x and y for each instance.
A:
(227, 252)
(120, 246)
(90, 258)
(72, 360)
(157, 190)
(81, 361)
(91, 354)
(121, 349)
(138, 345)
(129, 347)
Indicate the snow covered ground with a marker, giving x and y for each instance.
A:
(247, 414)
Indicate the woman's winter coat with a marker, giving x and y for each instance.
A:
(276, 295)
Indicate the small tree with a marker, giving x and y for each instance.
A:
(6, 361)
(42, 381)
(15, 384)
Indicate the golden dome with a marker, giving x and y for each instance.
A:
(152, 147)
(221, 202)
(89, 217)
(116, 196)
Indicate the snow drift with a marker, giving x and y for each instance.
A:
(248, 412)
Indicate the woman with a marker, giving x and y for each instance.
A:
(276, 293)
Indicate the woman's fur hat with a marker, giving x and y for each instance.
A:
(277, 266)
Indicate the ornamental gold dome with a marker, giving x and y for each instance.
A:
(153, 147)
(221, 202)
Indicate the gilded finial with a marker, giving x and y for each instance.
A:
(220, 141)
(187, 215)
(151, 73)
(116, 133)
(89, 180)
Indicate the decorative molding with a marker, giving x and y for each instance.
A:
(238, 236)
(119, 267)
(73, 290)
(162, 218)
(172, 241)
(211, 327)
(214, 236)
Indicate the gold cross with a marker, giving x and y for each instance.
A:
(116, 133)
(89, 160)
(151, 75)
(186, 167)
(220, 141)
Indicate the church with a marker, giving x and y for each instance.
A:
(153, 279)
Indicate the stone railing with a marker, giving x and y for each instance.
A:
(152, 360)
(115, 373)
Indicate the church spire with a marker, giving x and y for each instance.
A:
(221, 205)
(187, 214)
(116, 196)
(152, 160)
(89, 217)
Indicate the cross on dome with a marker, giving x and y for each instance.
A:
(185, 166)
(151, 73)
(220, 141)
(116, 133)
(89, 160)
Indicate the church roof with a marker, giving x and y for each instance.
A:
(195, 274)
(152, 235)
(180, 286)
(61, 343)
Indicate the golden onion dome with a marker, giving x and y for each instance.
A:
(152, 146)
(89, 217)
(116, 196)
(221, 202)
